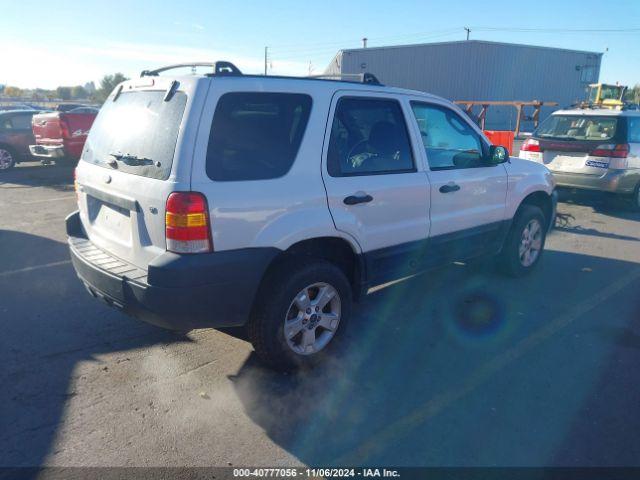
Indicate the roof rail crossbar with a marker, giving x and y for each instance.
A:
(219, 68)
(366, 77)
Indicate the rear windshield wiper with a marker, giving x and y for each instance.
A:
(131, 160)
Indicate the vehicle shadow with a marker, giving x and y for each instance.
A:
(49, 327)
(411, 385)
(25, 175)
(579, 230)
(601, 202)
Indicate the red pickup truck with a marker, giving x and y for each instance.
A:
(61, 135)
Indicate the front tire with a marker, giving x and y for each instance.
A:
(7, 159)
(524, 244)
(300, 314)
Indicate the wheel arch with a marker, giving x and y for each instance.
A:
(542, 200)
(336, 250)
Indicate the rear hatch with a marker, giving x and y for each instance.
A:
(578, 143)
(57, 128)
(130, 165)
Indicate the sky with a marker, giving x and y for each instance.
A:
(47, 44)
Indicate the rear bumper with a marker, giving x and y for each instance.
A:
(554, 209)
(616, 181)
(48, 151)
(179, 292)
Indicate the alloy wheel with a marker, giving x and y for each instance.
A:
(6, 159)
(530, 243)
(312, 318)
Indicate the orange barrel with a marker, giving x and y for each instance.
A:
(501, 137)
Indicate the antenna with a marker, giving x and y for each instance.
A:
(266, 56)
(468, 31)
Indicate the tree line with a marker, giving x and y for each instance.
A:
(88, 91)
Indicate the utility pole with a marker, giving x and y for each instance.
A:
(468, 31)
(266, 53)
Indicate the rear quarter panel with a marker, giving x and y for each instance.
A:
(79, 126)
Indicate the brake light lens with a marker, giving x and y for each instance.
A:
(64, 128)
(531, 145)
(609, 150)
(187, 223)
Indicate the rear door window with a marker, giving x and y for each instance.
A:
(256, 135)
(141, 128)
(22, 121)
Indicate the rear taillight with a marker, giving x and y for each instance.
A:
(530, 145)
(64, 128)
(187, 223)
(610, 150)
(75, 184)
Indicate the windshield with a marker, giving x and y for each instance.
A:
(610, 92)
(578, 127)
(139, 126)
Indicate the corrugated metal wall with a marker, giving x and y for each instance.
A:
(479, 70)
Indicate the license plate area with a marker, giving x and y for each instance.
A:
(110, 221)
(569, 162)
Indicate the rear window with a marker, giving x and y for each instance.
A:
(142, 127)
(256, 135)
(578, 127)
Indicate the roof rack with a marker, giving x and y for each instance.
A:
(219, 68)
(365, 77)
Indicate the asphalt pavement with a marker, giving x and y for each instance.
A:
(457, 367)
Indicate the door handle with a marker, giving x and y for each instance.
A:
(355, 199)
(449, 187)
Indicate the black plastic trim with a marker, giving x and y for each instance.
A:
(179, 292)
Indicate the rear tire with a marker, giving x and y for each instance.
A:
(7, 158)
(524, 244)
(300, 314)
(634, 201)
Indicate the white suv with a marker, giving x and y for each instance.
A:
(227, 199)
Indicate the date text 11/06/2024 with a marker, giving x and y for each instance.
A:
(316, 472)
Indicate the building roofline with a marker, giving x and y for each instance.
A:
(455, 42)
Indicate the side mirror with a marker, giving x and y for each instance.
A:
(498, 154)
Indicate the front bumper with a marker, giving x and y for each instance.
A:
(179, 292)
(48, 151)
(615, 181)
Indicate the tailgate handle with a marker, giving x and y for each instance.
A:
(127, 203)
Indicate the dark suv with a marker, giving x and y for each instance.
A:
(15, 137)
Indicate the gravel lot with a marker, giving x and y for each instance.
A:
(458, 367)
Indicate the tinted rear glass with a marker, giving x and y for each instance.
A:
(138, 124)
(578, 127)
(256, 135)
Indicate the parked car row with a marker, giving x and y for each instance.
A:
(49, 135)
